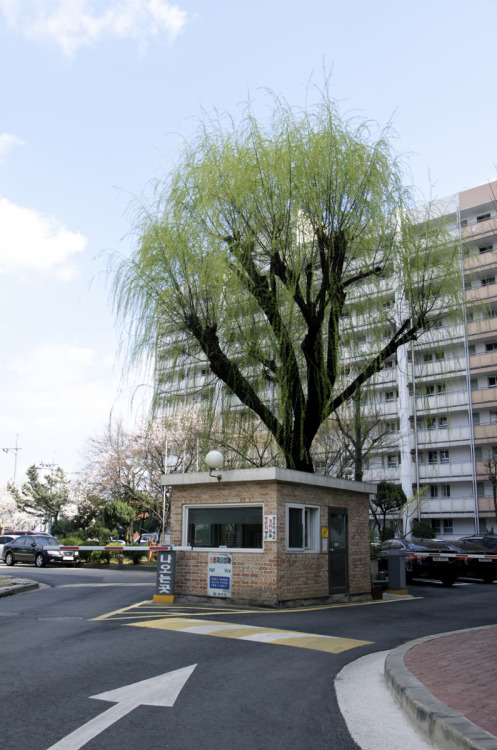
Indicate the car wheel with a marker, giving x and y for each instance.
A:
(488, 578)
(448, 580)
(9, 559)
(39, 560)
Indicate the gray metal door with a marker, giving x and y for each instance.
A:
(338, 555)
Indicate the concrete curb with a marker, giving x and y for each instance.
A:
(443, 727)
(17, 586)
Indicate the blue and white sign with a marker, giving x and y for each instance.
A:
(219, 571)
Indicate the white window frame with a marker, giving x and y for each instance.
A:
(311, 527)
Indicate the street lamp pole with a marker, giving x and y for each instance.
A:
(15, 451)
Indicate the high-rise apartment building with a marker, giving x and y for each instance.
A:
(440, 393)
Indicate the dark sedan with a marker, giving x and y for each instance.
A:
(425, 558)
(482, 566)
(36, 550)
(489, 541)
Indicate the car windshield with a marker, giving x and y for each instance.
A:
(48, 541)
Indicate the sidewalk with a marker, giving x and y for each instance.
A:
(447, 685)
(9, 585)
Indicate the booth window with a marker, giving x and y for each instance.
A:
(302, 528)
(225, 526)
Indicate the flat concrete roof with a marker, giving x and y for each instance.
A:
(266, 474)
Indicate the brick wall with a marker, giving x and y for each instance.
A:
(274, 575)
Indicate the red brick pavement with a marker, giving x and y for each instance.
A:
(461, 671)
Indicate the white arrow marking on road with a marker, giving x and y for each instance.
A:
(157, 691)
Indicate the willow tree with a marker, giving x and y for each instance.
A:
(265, 256)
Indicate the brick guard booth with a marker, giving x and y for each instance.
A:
(290, 536)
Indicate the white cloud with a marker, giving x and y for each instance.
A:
(55, 397)
(8, 141)
(32, 241)
(76, 23)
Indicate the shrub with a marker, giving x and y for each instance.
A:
(423, 529)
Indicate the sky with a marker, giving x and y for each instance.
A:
(95, 98)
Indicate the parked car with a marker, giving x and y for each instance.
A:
(34, 548)
(475, 567)
(4, 538)
(424, 558)
(149, 537)
(489, 541)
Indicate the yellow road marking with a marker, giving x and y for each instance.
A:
(327, 643)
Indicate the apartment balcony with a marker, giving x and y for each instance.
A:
(442, 438)
(485, 433)
(481, 363)
(478, 230)
(481, 261)
(442, 402)
(481, 293)
(481, 329)
(486, 507)
(448, 506)
(447, 368)
(460, 470)
(484, 397)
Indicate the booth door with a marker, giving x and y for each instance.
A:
(338, 573)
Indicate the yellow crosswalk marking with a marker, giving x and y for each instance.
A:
(330, 644)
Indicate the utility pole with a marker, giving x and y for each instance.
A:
(15, 451)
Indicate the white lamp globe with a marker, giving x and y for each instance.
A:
(214, 460)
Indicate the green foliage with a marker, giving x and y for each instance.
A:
(422, 529)
(389, 501)
(254, 249)
(45, 498)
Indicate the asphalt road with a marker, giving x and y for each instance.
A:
(87, 632)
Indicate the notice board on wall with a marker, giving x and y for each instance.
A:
(219, 572)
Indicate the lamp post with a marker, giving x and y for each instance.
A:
(15, 451)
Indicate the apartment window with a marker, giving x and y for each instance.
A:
(474, 384)
(480, 489)
(431, 423)
(471, 350)
(428, 357)
(445, 490)
(491, 347)
(493, 417)
(478, 454)
(429, 390)
(487, 280)
(439, 356)
(476, 417)
(432, 457)
(392, 462)
(448, 527)
(225, 526)
(485, 249)
(491, 312)
(302, 528)
(464, 222)
(483, 217)
(388, 364)
(390, 396)
(441, 388)
(444, 457)
(492, 381)
(435, 525)
(442, 422)
(434, 490)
